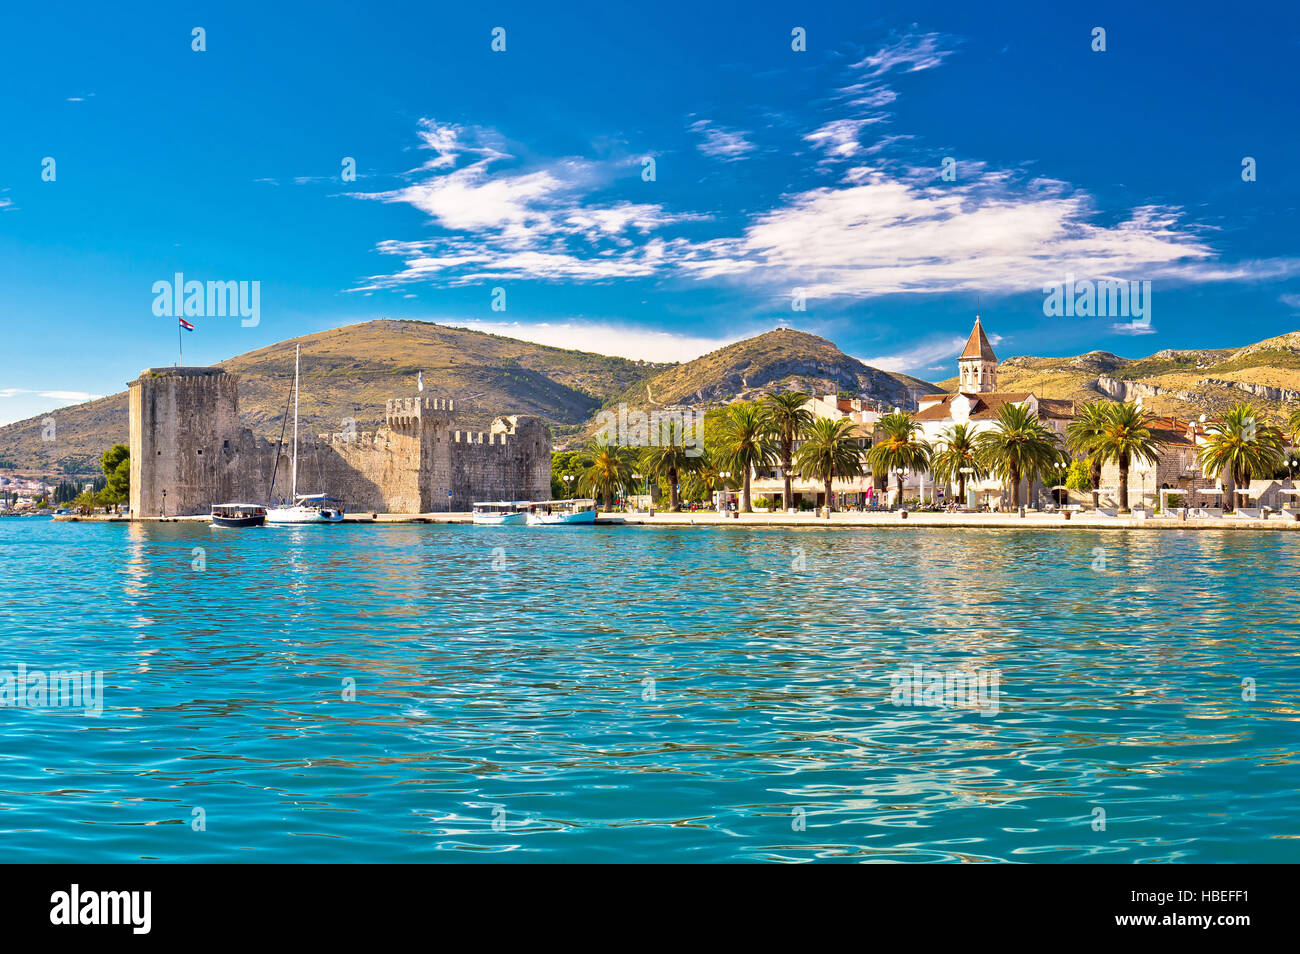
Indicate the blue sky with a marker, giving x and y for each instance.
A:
(775, 170)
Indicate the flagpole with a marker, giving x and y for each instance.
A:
(180, 348)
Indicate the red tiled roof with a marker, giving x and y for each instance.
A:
(977, 346)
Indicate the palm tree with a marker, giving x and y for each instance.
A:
(1293, 426)
(956, 455)
(829, 450)
(669, 461)
(745, 444)
(705, 479)
(898, 445)
(1082, 435)
(1240, 446)
(1125, 436)
(605, 471)
(1018, 446)
(787, 422)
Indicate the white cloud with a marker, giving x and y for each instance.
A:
(718, 143)
(916, 51)
(1133, 328)
(69, 397)
(881, 228)
(609, 339)
(1291, 301)
(919, 357)
(839, 138)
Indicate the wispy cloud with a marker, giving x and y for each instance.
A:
(915, 51)
(925, 355)
(838, 139)
(68, 397)
(718, 143)
(1133, 328)
(880, 228)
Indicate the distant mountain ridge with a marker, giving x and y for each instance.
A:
(350, 372)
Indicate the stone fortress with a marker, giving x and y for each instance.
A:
(189, 451)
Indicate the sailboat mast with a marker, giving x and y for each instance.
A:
(295, 424)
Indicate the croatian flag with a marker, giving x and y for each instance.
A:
(186, 325)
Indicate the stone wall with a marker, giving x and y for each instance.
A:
(186, 438)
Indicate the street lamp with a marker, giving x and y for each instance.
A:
(164, 507)
(724, 475)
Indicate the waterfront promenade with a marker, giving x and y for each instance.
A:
(891, 520)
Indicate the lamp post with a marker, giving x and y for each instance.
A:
(164, 507)
(568, 483)
(725, 476)
(639, 478)
(901, 474)
(969, 472)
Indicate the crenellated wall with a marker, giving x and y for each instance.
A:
(186, 438)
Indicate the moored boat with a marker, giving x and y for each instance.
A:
(551, 513)
(238, 515)
(303, 508)
(308, 508)
(496, 513)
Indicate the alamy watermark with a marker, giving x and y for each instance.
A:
(946, 688)
(59, 689)
(181, 299)
(659, 428)
(1105, 298)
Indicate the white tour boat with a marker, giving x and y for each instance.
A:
(548, 513)
(496, 513)
(302, 508)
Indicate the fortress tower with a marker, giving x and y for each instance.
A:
(188, 451)
(184, 433)
(978, 364)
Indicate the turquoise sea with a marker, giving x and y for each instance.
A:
(642, 694)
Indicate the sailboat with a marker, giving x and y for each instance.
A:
(304, 508)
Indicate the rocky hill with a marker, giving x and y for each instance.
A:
(351, 372)
(781, 359)
(1185, 384)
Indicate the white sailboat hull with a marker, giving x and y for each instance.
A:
(297, 515)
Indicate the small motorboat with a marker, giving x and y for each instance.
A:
(238, 515)
(552, 513)
(496, 513)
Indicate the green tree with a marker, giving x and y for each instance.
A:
(1018, 446)
(1293, 426)
(1125, 436)
(1239, 446)
(116, 464)
(668, 461)
(898, 445)
(787, 421)
(565, 464)
(1078, 476)
(829, 450)
(956, 453)
(745, 444)
(705, 479)
(605, 472)
(1082, 436)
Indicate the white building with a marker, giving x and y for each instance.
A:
(976, 403)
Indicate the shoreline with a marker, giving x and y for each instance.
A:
(889, 520)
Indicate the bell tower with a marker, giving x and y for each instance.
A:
(978, 364)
